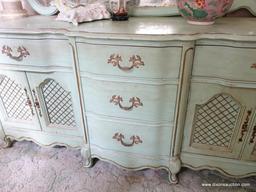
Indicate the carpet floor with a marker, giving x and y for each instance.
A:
(27, 167)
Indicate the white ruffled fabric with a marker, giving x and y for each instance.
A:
(78, 13)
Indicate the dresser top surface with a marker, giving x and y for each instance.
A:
(143, 28)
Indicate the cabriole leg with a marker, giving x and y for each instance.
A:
(86, 154)
(7, 142)
(175, 166)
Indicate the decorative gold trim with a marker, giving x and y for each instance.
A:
(29, 102)
(37, 104)
(217, 169)
(176, 133)
(131, 168)
(253, 135)
(115, 60)
(40, 144)
(76, 70)
(135, 139)
(23, 52)
(245, 125)
(117, 99)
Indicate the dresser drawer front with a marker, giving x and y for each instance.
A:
(45, 53)
(231, 63)
(131, 138)
(132, 101)
(148, 62)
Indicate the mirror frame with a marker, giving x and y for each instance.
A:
(250, 5)
(42, 9)
(147, 11)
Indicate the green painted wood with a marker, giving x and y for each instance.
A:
(40, 52)
(158, 62)
(236, 63)
(23, 118)
(65, 83)
(43, 138)
(200, 94)
(102, 131)
(136, 28)
(126, 160)
(229, 167)
(161, 83)
(249, 152)
(158, 102)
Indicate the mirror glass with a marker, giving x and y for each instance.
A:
(157, 3)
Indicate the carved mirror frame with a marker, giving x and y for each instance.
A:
(147, 10)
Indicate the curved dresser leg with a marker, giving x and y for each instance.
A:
(173, 179)
(175, 166)
(7, 142)
(85, 152)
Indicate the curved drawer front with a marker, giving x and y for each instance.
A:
(44, 52)
(148, 62)
(231, 63)
(131, 138)
(141, 102)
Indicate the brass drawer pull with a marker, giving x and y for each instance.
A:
(245, 125)
(135, 139)
(117, 100)
(37, 104)
(253, 135)
(23, 52)
(115, 60)
(29, 102)
(253, 66)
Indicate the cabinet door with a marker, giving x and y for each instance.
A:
(57, 102)
(16, 105)
(249, 152)
(214, 120)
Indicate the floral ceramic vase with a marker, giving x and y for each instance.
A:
(203, 12)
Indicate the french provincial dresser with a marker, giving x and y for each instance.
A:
(150, 92)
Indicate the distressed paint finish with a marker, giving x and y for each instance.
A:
(231, 74)
(165, 83)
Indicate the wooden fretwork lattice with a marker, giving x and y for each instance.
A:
(215, 121)
(58, 103)
(14, 99)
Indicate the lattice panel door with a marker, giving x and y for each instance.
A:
(58, 103)
(14, 100)
(254, 150)
(215, 121)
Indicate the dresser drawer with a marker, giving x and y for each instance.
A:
(148, 62)
(132, 101)
(231, 63)
(131, 138)
(45, 52)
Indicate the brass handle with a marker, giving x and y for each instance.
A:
(253, 66)
(23, 52)
(245, 125)
(29, 102)
(37, 104)
(253, 135)
(115, 60)
(135, 139)
(117, 100)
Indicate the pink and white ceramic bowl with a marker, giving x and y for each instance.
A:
(203, 12)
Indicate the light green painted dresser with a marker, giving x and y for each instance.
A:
(144, 93)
